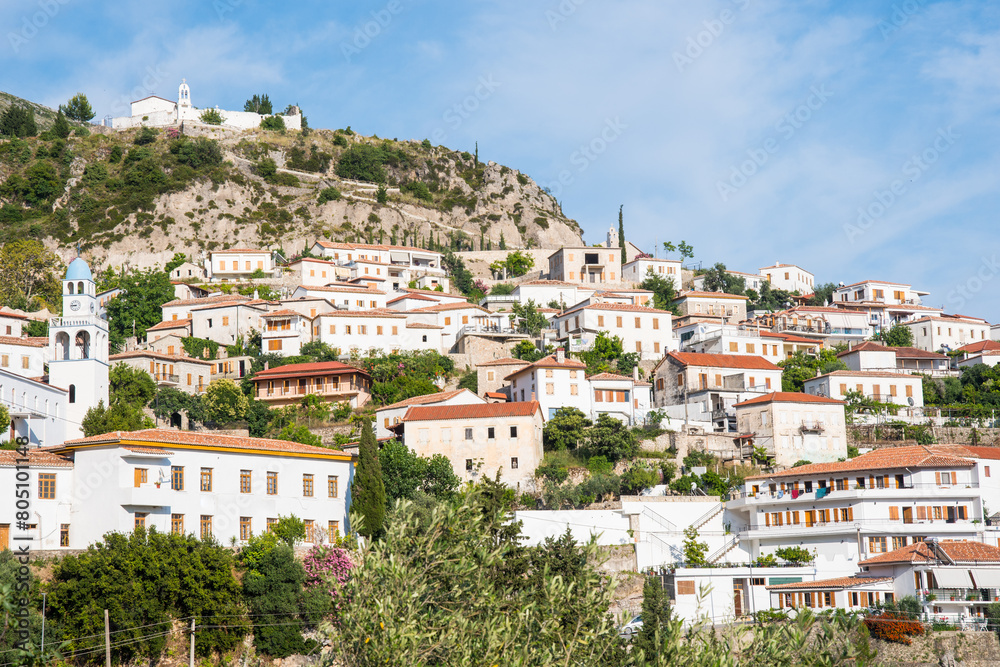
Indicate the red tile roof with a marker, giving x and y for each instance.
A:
(307, 369)
(619, 307)
(836, 582)
(202, 440)
(980, 346)
(425, 399)
(373, 246)
(285, 312)
(949, 318)
(609, 376)
(36, 459)
(374, 312)
(506, 361)
(206, 300)
(869, 374)
(880, 282)
(496, 394)
(5, 312)
(789, 397)
(747, 361)
(549, 362)
(432, 293)
(474, 411)
(170, 324)
(240, 250)
(901, 352)
(960, 551)
(350, 289)
(152, 354)
(887, 458)
(421, 325)
(714, 295)
(444, 307)
(789, 338)
(415, 297)
(23, 342)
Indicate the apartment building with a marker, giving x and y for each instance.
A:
(362, 331)
(189, 374)
(389, 416)
(284, 332)
(183, 482)
(332, 381)
(871, 356)
(313, 272)
(51, 478)
(227, 322)
(856, 509)
(554, 382)
(479, 439)
(830, 326)
(585, 264)
(947, 332)
(24, 356)
(882, 386)
(402, 264)
(454, 319)
(789, 277)
(646, 331)
(639, 269)
(545, 292)
(708, 386)
(38, 410)
(343, 296)
(180, 309)
(710, 307)
(239, 264)
(491, 373)
(747, 338)
(794, 426)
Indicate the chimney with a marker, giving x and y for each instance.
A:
(560, 355)
(635, 373)
(532, 397)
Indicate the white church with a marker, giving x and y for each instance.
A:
(48, 410)
(156, 111)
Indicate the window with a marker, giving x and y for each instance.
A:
(618, 322)
(245, 481)
(600, 322)
(550, 388)
(177, 478)
(272, 483)
(225, 321)
(270, 523)
(310, 526)
(24, 362)
(206, 526)
(685, 587)
(491, 433)
(876, 545)
(987, 471)
(513, 436)
(468, 464)
(468, 434)
(638, 323)
(177, 524)
(513, 463)
(141, 476)
(140, 520)
(206, 479)
(307, 485)
(574, 390)
(898, 542)
(333, 529)
(245, 531)
(64, 535)
(274, 344)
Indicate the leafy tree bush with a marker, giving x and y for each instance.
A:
(527, 351)
(123, 417)
(898, 335)
(638, 478)
(551, 471)
(694, 551)
(27, 273)
(259, 104)
(362, 162)
(567, 429)
(147, 135)
(611, 438)
(140, 301)
(381, 195)
(18, 121)
(656, 614)
(78, 108)
(60, 128)
(211, 117)
(418, 189)
(470, 381)
(526, 319)
(599, 465)
(316, 161)
(145, 579)
(275, 123)
(795, 555)
(800, 367)
(224, 402)
(404, 473)
(328, 194)
(327, 569)
(602, 353)
(663, 291)
(197, 153)
(368, 490)
(300, 433)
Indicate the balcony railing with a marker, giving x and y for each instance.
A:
(167, 378)
(326, 390)
(813, 426)
(832, 492)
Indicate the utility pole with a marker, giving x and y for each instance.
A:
(191, 659)
(107, 640)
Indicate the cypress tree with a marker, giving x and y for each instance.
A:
(368, 490)
(621, 234)
(60, 127)
(655, 615)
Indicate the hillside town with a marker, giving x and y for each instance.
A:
(785, 507)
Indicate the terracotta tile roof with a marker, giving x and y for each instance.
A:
(643, 384)
(374, 312)
(949, 318)
(431, 293)
(549, 362)
(203, 439)
(960, 551)
(312, 368)
(38, 340)
(352, 289)
(415, 297)
(836, 582)
(887, 458)
(371, 246)
(980, 346)
(789, 397)
(22, 342)
(258, 303)
(901, 352)
(421, 325)
(152, 354)
(668, 261)
(779, 265)
(442, 307)
(609, 376)
(425, 399)
(240, 250)
(746, 361)
(36, 459)
(170, 324)
(788, 338)
(6, 312)
(474, 411)
(551, 283)
(155, 451)
(496, 394)
(314, 260)
(284, 312)
(206, 300)
(620, 307)
(506, 361)
(361, 279)
(869, 374)
(879, 282)
(714, 295)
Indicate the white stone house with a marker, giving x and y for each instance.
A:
(285, 332)
(363, 331)
(237, 264)
(827, 325)
(793, 426)
(189, 374)
(885, 387)
(554, 382)
(310, 271)
(23, 356)
(171, 328)
(452, 317)
(180, 309)
(479, 439)
(870, 356)
(50, 480)
(646, 331)
(638, 270)
(586, 265)
(12, 323)
(403, 264)
(195, 483)
(389, 416)
(38, 411)
(947, 332)
(344, 296)
(491, 374)
(228, 321)
(544, 292)
(702, 306)
(188, 271)
(789, 277)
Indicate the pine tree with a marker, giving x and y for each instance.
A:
(621, 234)
(368, 490)
(655, 615)
(477, 155)
(503, 243)
(60, 128)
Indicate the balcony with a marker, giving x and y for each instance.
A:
(488, 330)
(297, 392)
(812, 426)
(899, 493)
(146, 495)
(166, 378)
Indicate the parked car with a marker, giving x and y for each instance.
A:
(631, 628)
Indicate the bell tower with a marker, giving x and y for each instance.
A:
(183, 95)
(78, 347)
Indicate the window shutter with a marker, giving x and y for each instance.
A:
(894, 513)
(937, 478)
(921, 512)
(954, 477)
(767, 520)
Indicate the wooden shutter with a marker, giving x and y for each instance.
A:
(921, 512)
(937, 478)
(767, 519)
(954, 477)
(850, 514)
(894, 513)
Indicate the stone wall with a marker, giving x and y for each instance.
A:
(616, 558)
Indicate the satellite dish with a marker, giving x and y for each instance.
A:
(840, 284)
(910, 401)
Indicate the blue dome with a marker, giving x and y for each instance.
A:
(78, 270)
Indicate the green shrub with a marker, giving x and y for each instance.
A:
(276, 123)
(362, 162)
(211, 117)
(418, 189)
(328, 194)
(557, 474)
(147, 135)
(599, 465)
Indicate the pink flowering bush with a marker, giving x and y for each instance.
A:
(328, 567)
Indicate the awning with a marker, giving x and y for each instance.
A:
(987, 578)
(397, 256)
(952, 578)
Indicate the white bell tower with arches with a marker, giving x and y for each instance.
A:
(78, 347)
(183, 95)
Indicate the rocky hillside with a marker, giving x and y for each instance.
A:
(139, 196)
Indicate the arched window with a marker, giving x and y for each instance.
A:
(72, 393)
(83, 344)
(62, 346)
(79, 287)
(70, 286)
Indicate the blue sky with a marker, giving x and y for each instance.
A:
(856, 139)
